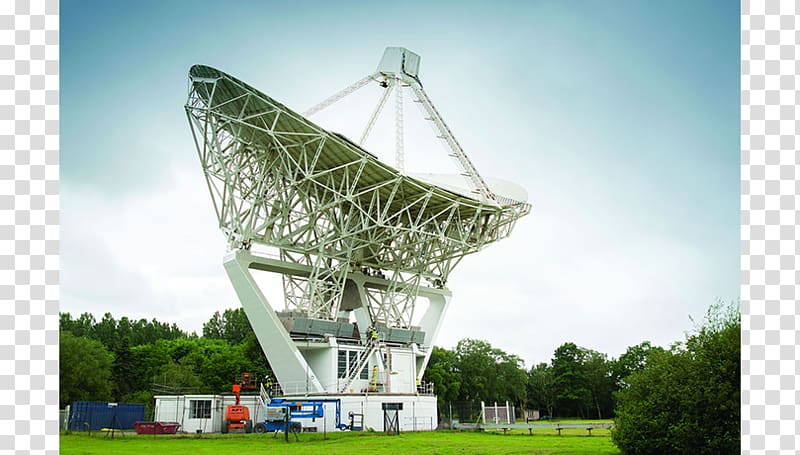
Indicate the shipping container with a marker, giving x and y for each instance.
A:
(94, 415)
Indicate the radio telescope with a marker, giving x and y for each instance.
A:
(359, 244)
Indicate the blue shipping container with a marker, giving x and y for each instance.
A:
(85, 415)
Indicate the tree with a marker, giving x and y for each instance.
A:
(582, 382)
(148, 355)
(489, 374)
(634, 359)
(476, 365)
(255, 355)
(443, 373)
(541, 388)
(232, 325)
(598, 380)
(221, 364)
(179, 377)
(146, 332)
(81, 327)
(199, 365)
(512, 384)
(84, 369)
(572, 393)
(214, 328)
(123, 370)
(106, 331)
(686, 400)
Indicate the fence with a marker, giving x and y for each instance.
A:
(498, 414)
(418, 423)
(472, 412)
(458, 411)
(63, 418)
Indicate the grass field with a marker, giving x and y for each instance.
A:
(574, 442)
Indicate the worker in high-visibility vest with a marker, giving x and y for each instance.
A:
(374, 334)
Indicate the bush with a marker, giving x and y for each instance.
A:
(686, 400)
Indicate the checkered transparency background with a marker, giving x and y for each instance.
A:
(29, 202)
(29, 226)
(770, 93)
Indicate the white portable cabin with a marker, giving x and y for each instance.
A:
(202, 412)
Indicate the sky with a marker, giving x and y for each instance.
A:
(620, 119)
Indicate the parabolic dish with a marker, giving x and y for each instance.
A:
(279, 179)
(457, 184)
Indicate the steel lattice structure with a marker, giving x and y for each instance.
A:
(326, 204)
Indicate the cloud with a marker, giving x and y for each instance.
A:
(145, 254)
(561, 279)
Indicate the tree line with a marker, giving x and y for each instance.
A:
(682, 399)
(131, 361)
(577, 382)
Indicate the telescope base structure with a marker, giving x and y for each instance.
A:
(415, 412)
(339, 357)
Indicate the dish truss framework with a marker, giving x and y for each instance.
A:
(353, 238)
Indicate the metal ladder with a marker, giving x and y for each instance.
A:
(372, 345)
(263, 396)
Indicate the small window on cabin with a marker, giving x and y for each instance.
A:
(199, 409)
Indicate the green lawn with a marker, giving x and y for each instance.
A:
(542, 442)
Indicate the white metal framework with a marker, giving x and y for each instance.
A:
(353, 235)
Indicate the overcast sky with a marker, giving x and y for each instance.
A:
(620, 119)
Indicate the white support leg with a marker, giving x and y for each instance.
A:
(288, 363)
(431, 322)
